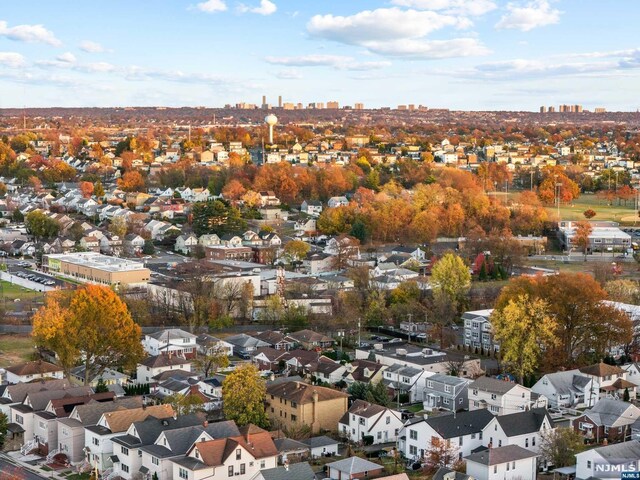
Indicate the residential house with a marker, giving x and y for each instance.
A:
(608, 461)
(294, 471)
(209, 240)
(524, 429)
(241, 457)
(568, 389)
(363, 371)
(610, 381)
(153, 366)
(186, 243)
(407, 380)
(311, 207)
(208, 345)
(29, 371)
(89, 244)
(477, 330)
(111, 244)
(292, 404)
(71, 429)
(329, 371)
(445, 392)
(309, 339)
(353, 468)
(171, 341)
(109, 377)
(276, 340)
(245, 345)
(133, 244)
(609, 420)
(501, 397)
(98, 438)
(364, 419)
(463, 431)
(504, 463)
(269, 199)
(321, 446)
(334, 202)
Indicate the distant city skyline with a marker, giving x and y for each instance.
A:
(457, 54)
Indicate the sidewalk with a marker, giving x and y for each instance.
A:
(33, 464)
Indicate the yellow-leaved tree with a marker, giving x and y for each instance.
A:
(93, 327)
(243, 394)
(523, 328)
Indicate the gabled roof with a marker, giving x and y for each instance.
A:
(289, 444)
(601, 370)
(460, 424)
(38, 367)
(120, 420)
(521, 423)
(493, 385)
(158, 361)
(496, 456)
(321, 441)
(171, 334)
(612, 413)
(366, 409)
(91, 412)
(618, 451)
(295, 471)
(309, 336)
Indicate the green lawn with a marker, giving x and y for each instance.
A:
(11, 291)
(15, 349)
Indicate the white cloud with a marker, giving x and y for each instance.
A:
(12, 60)
(92, 47)
(290, 74)
(455, 7)
(96, 67)
(338, 62)
(266, 7)
(212, 6)
(430, 49)
(66, 57)
(380, 25)
(534, 14)
(29, 33)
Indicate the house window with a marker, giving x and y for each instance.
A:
(125, 468)
(294, 405)
(495, 409)
(242, 469)
(413, 450)
(429, 384)
(294, 418)
(238, 453)
(379, 435)
(589, 464)
(41, 425)
(446, 401)
(533, 441)
(493, 396)
(475, 392)
(230, 470)
(262, 463)
(95, 441)
(124, 450)
(388, 420)
(526, 443)
(495, 469)
(480, 436)
(182, 473)
(361, 421)
(447, 388)
(513, 465)
(508, 465)
(19, 419)
(413, 434)
(156, 460)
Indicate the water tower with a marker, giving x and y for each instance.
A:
(271, 120)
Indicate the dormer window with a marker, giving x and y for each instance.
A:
(238, 453)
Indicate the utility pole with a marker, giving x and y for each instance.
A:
(359, 343)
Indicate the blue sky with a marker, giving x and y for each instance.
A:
(459, 54)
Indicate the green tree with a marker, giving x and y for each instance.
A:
(559, 446)
(101, 387)
(17, 216)
(41, 226)
(243, 396)
(523, 327)
(215, 216)
(148, 248)
(4, 423)
(98, 189)
(451, 279)
(118, 226)
(622, 290)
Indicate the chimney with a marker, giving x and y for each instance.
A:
(205, 424)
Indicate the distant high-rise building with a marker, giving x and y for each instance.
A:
(279, 101)
(577, 108)
(552, 109)
(300, 107)
(333, 105)
(543, 109)
(423, 108)
(320, 105)
(600, 110)
(412, 107)
(402, 107)
(264, 101)
(288, 106)
(358, 106)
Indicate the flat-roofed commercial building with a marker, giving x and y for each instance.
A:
(604, 237)
(91, 267)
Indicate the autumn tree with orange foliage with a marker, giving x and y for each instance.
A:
(557, 184)
(233, 190)
(586, 327)
(92, 327)
(131, 182)
(86, 188)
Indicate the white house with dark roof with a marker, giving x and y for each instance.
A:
(524, 429)
(464, 431)
(364, 419)
(502, 397)
(609, 460)
(153, 366)
(504, 463)
(29, 371)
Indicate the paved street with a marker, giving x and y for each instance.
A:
(8, 467)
